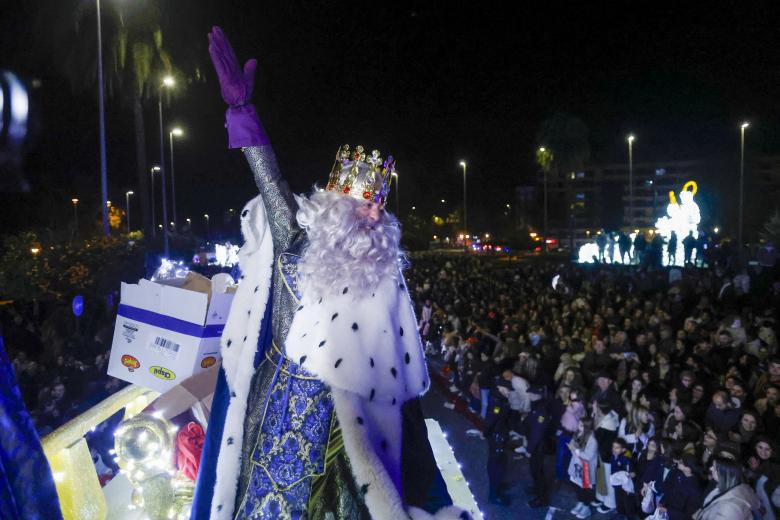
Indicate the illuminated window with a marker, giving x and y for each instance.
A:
(660, 172)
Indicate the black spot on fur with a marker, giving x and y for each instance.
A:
(229, 342)
(400, 286)
(371, 397)
(424, 383)
(244, 338)
(372, 362)
(335, 315)
(304, 335)
(394, 372)
(232, 394)
(345, 290)
(354, 326)
(465, 516)
(360, 420)
(393, 400)
(383, 444)
(319, 301)
(401, 331)
(241, 277)
(230, 441)
(300, 361)
(364, 489)
(248, 313)
(338, 362)
(256, 288)
(321, 343)
(407, 358)
(301, 307)
(219, 507)
(245, 213)
(373, 295)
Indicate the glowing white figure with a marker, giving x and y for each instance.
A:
(683, 219)
(226, 255)
(589, 253)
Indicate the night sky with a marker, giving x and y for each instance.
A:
(430, 82)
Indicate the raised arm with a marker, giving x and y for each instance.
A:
(246, 132)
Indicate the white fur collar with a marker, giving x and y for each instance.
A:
(367, 346)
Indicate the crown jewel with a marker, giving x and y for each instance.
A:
(360, 176)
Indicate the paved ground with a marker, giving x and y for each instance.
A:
(471, 452)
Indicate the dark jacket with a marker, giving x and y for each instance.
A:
(682, 495)
(536, 424)
(649, 470)
(722, 421)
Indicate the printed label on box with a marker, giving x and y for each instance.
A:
(165, 347)
(162, 373)
(129, 330)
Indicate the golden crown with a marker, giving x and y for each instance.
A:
(365, 178)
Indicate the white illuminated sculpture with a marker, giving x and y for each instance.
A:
(682, 218)
(226, 255)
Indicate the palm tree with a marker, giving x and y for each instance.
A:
(134, 61)
(565, 139)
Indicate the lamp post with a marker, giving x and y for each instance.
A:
(151, 174)
(102, 123)
(465, 214)
(742, 128)
(75, 203)
(206, 216)
(167, 82)
(127, 205)
(176, 131)
(630, 140)
(397, 196)
(543, 150)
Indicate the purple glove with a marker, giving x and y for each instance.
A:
(242, 123)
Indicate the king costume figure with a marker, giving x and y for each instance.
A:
(316, 414)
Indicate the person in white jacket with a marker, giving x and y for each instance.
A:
(582, 468)
(731, 499)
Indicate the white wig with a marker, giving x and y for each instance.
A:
(344, 247)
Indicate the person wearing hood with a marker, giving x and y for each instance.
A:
(731, 499)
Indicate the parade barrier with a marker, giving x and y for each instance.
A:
(78, 487)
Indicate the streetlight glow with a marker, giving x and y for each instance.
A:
(463, 163)
(178, 132)
(74, 201)
(129, 193)
(631, 138)
(168, 81)
(155, 168)
(542, 149)
(745, 125)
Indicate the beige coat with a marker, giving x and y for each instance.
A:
(736, 504)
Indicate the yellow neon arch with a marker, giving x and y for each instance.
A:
(690, 184)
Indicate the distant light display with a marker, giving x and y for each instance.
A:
(682, 218)
(226, 255)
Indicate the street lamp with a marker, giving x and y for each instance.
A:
(167, 82)
(742, 128)
(630, 140)
(151, 174)
(206, 216)
(127, 199)
(543, 150)
(465, 215)
(176, 131)
(102, 123)
(397, 214)
(75, 202)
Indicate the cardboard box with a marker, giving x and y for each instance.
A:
(165, 334)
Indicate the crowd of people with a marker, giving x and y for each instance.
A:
(655, 391)
(60, 364)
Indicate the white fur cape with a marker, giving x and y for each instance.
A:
(367, 351)
(239, 346)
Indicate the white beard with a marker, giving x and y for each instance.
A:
(344, 249)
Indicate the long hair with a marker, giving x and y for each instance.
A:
(345, 248)
(729, 473)
(581, 439)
